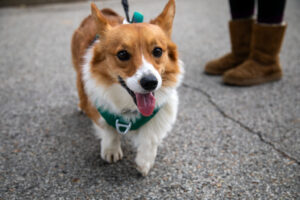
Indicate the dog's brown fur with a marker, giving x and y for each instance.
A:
(81, 40)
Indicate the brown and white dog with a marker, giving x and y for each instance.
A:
(130, 71)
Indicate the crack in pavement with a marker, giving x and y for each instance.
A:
(222, 112)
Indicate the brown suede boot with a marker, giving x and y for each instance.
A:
(263, 64)
(240, 36)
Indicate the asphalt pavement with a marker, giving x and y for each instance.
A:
(227, 143)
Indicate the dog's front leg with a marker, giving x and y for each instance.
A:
(151, 135)
(110, 144)
(146, 151)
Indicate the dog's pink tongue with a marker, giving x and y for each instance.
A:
(145, 103)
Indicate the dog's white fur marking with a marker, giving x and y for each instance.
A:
(145, 69)
(116, 99)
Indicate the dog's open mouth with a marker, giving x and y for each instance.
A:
(145, 102)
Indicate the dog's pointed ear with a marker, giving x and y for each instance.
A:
(100, 20)
(165, 19)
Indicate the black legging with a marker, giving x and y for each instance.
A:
(269, 11)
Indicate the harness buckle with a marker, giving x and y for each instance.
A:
(122, 125)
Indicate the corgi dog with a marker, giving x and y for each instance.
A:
(127, 80)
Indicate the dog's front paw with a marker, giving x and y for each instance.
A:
(111, 154)
(143, 166)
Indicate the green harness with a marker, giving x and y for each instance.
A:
(122, 125)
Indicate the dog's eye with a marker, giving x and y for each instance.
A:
(123, 55)
(157, 52)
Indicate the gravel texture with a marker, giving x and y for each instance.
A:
(228, 142)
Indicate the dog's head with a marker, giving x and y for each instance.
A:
(140, 56)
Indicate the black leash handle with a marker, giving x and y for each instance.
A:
(126, 9)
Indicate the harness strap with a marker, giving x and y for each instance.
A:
(122, 125)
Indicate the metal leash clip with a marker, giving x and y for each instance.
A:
(124, 126)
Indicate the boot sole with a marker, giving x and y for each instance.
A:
(273, 77)
(213, 73)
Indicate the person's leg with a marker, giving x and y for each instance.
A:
(268, 33)
(240, 28)
(241, 9)
(270, 11)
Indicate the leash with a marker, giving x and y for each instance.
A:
(126, 9)
(136, 18)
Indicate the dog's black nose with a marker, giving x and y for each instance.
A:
(149, 82)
